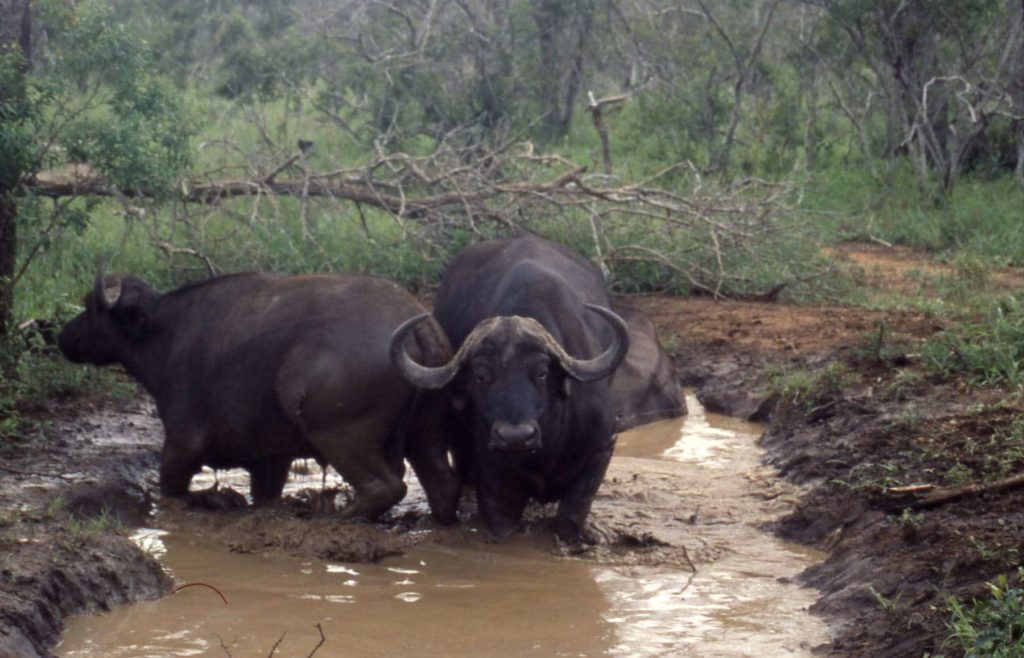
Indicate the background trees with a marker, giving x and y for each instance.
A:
(381, 135)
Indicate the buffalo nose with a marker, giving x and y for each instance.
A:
(515, 436)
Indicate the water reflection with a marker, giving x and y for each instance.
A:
(698, 438)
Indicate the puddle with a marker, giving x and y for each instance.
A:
(697, 438)
(694, 484)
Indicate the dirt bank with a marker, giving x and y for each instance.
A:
(64, 492)
(861, 425)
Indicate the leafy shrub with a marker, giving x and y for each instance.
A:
(992, 627)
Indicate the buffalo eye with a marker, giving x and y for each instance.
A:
(540, 375)
(481, 375)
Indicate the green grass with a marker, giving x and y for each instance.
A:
(992, 627)
(804, 386)
(988, 350)
(982, 219)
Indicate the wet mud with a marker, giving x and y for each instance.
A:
(682, 564)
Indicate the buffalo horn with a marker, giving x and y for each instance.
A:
(104, 299)
(605, 363)
(419, 375)
(99, 289)
(581, 370)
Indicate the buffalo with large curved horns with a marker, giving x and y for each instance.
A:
(255, 370)
(528, 386)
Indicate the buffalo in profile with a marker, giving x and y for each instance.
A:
(254, 370)
(644, 387)
(536, 346)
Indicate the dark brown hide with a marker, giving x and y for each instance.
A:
(644, 387)
(254, 370)
(525, 428)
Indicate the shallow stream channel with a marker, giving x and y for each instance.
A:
(683, 567)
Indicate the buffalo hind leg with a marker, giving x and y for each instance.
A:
(180, 459)
(574, 507)
(267, 478)
(426, 448)
(361, 461)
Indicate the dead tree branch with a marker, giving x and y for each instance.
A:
(931, 496)
(693, 233)
(596, 107)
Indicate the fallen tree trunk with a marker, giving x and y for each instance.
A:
(927, 496)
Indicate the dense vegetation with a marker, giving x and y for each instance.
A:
(692, 146)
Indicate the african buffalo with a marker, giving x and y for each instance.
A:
(537, 343)
(644, 387)
(255, 370)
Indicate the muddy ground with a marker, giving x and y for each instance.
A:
(871, 421)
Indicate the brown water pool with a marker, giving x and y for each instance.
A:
(696, 483)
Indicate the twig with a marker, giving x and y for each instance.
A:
(181, 587)
(276, 644)
(223, 646)
(693, 570)
(318, 644)
(269, 178)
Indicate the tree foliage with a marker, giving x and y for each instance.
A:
(91, 102)
(433, 110)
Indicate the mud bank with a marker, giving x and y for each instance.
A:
(62, 493)
(867, 419)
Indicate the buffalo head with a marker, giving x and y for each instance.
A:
(514, 370)
(115, 316)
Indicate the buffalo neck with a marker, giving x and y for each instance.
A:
(146, 359)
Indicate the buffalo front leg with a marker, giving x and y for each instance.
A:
(501, 501)
(574, 506)
(180, 459)
(267, 478)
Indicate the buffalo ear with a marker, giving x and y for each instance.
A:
(132, 320)
(566, 391)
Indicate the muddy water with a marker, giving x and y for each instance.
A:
(702, 581)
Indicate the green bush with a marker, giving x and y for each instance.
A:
(992, 627)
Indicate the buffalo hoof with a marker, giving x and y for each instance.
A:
(500, 529)
(570, 533)
(373, 501)
(444, 506)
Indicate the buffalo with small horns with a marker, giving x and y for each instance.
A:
(255, 370)
(529, 383)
